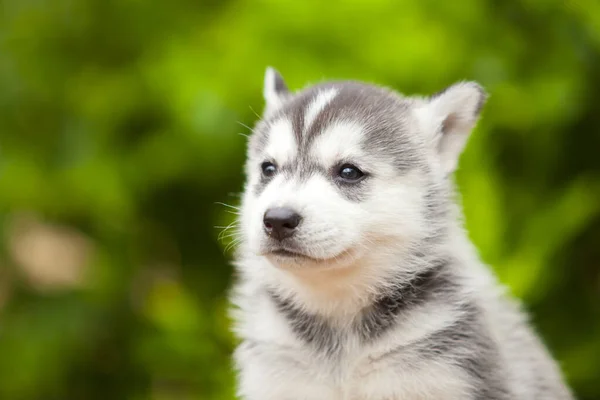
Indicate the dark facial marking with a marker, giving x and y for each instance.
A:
(339, 108)
(294, 110)
(377, 109)
(382, 115)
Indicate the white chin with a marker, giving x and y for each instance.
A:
(295, 261)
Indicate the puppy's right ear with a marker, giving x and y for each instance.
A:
(448, 118)
(275, 91)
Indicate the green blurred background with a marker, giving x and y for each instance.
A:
(120, 128)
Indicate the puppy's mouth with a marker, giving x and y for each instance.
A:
(291, 254)
(286, 255)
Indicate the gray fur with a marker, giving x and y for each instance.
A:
(419, 316)
(373, 321)
(379, 108)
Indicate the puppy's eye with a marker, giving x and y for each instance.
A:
(268, 169)
(350, 173)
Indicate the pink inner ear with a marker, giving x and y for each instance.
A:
(449, 123)
(456, 123)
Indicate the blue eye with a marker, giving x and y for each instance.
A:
(350, 173)
(268, 169)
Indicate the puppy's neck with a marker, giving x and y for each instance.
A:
(342, 292)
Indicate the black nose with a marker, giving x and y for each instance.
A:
(281, 222)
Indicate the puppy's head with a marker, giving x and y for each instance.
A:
(342, 170)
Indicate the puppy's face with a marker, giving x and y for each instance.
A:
(339, 171)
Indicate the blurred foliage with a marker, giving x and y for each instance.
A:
(119, 133)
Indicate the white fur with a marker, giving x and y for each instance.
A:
(317, 105)
(282, 144)
(360, 249)
(341, 141)
(456, 107)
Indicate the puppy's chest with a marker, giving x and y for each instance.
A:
(332, 364)
(362, 375)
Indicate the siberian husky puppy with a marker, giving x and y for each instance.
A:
(356, 280)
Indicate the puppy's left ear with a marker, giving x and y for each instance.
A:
(449, 117)
(275, 91)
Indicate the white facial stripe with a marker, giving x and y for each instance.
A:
(342, 140)
(282, 145)
(317, 105)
